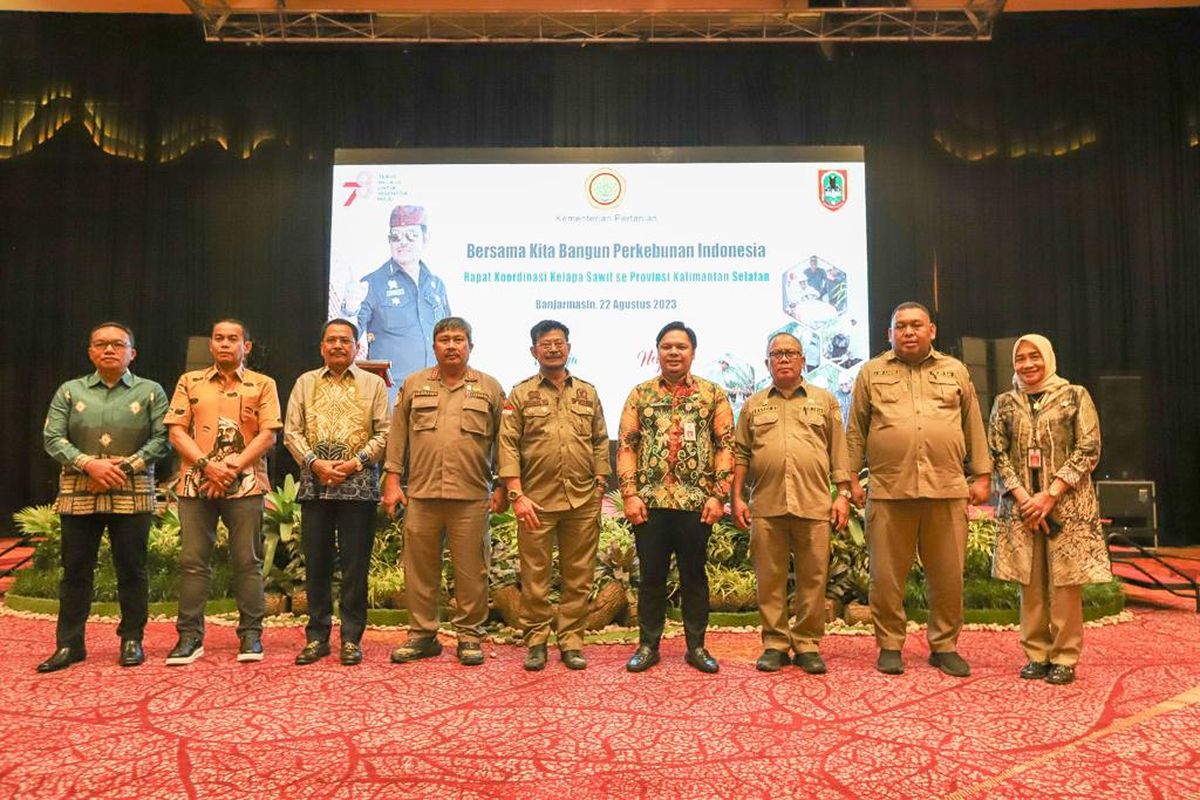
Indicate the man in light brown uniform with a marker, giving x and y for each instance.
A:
(554, 457)
(790, 443)
(915, 419)
(442, 443)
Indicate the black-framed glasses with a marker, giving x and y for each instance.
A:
(785, 355)
(104, 344)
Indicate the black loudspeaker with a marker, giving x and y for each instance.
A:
(1122, 406)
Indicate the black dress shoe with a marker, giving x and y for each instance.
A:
(470, 654)
(131, 653)
(250, 647)
(699, 658)
(62, 658)
(186, 650)
(351, 654)
(890, 662)
(574, 659)
(642, 659)
(1035, 670)
(312, 652)
(415, 649)
(812, 663)
(1061, 674)
(951, 663)
(771, 660)
(535, 659)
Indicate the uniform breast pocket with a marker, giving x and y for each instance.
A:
(947, 392)
(249, 411)
(581, 418)
(476, 416)
(764, 425)
(423, 416)
(537, 420)
(885, 390)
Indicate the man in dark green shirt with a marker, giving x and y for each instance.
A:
(106, 429)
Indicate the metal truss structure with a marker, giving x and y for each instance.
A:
(951, 21)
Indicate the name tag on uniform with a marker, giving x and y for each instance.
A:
(1035, 458)
(689, 431)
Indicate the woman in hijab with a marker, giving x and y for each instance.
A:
(1045, 441)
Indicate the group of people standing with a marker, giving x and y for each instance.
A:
(454, 447)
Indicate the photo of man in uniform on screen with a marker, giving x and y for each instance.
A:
(403, 300)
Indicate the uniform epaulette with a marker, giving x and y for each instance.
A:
(537, 376)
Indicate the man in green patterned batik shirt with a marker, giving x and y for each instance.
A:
(106, 429)
(675, 464)
(336, 428)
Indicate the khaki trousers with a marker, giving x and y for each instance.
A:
(1050, 631)
(774, 542)
(896, 530)
(577, 531)
(464, 525)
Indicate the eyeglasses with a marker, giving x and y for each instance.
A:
(785, 355)
(407, 235)
(104, 344)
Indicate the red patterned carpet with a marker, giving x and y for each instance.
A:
(1129, 728)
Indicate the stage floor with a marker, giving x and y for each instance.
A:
(1128, 728)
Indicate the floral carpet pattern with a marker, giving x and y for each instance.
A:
(1128, 728)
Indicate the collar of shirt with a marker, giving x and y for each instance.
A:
(542, 379)
(396, 269)
(470, 376)
(350, 371)
(800, 389)
(686, 380)
(934, 354)
(94, 379)
(213, 372)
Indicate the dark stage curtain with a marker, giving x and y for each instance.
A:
(1048, 180)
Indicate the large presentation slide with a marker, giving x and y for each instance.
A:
(736, 242)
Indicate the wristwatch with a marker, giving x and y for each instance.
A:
(844, 493)
(201, 463)
(513, 494)
(1053, 493)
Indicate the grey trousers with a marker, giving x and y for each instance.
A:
(198, 533)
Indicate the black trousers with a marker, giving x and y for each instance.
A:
(666, 532)
(127, 534)
(354, 524)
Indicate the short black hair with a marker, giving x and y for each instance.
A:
(676, 326)
(544, 327)
(232, 321)
(339, 321)
(907, 304)
(111, 324)
(453, 324)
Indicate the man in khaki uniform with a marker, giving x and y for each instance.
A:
(442, 443)
(554, 457)
(915, 420)
(790, 443)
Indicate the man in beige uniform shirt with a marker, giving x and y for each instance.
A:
(442, 443)
(554, 457)
(790, 443)
(915, 420)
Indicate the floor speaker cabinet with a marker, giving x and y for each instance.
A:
(198, 355)
(1121, 403)
(1129, 508)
